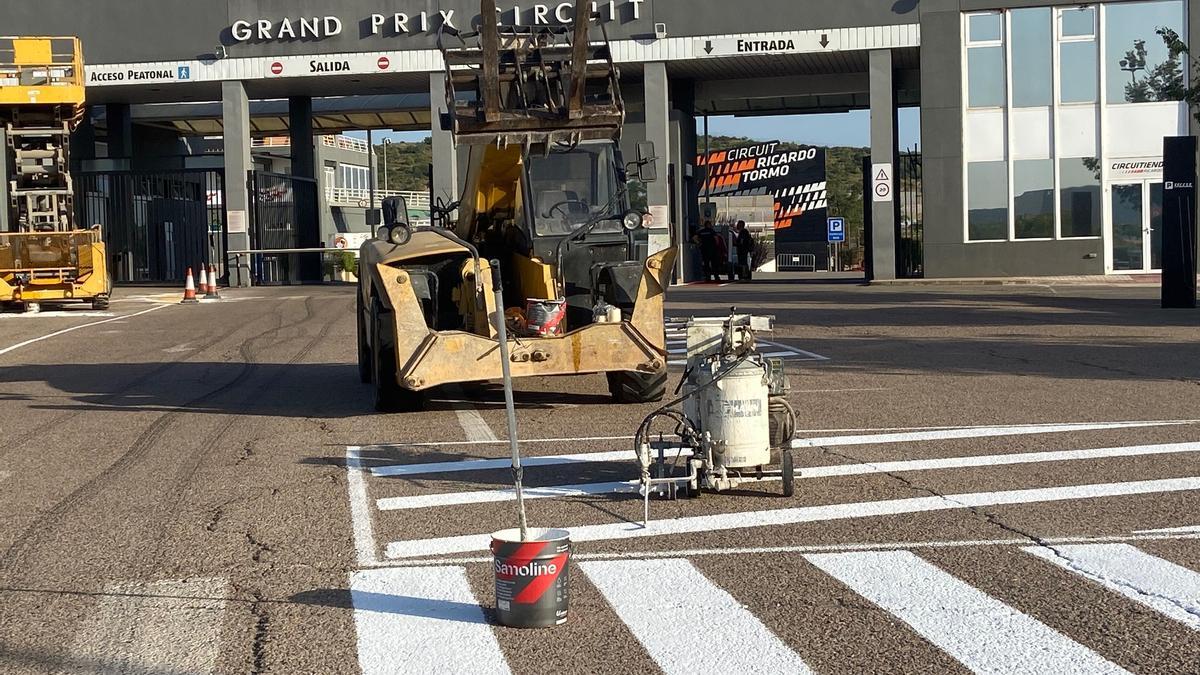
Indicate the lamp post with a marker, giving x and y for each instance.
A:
(386, 143)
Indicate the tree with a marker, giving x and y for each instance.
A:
(1166, 80)
(1163, 82)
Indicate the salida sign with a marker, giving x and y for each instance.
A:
(275, 29)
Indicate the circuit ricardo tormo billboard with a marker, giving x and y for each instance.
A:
(794, 176)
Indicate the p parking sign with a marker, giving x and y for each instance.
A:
(837, 230)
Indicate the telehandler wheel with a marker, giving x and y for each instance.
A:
(365, 364)
(629, 387)
(100, 302)
(788, 465)
(390, 397)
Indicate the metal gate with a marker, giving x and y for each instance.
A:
(910, 229)
(285, 210)
(155, 224)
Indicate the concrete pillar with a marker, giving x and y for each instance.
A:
(658, 132)
(235, 118)
(4, 172)
(304, 192)
(883, 151)
(120, 130)
(445, 156)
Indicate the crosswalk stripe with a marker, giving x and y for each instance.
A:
(1159, 584)
(838, 470)
(422, 620)
(489, 464)
(978, 432)
(170, 626)
(687, 623)
(979, 631)
(421, 548)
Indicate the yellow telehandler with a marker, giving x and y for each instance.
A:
(546, 208)
(44, 256)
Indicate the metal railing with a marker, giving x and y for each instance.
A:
(361, 197)
(333, 141)
(796, 262)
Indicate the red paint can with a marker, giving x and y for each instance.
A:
(531, 577)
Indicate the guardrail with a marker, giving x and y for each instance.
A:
(796, 262)
(361, 197)
(333, 141)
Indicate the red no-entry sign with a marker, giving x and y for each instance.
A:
(276, 68)
(383, 63)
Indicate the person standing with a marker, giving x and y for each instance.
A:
(744, 244)
(706, 239)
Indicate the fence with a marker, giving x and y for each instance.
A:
(155, 224)
(796, 262)
(910, 234)
(361, 197)
(285, 217)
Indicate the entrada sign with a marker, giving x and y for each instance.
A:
(401, 23)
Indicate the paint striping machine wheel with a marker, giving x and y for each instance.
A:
(789, 473)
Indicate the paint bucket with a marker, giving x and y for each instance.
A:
(545, 318)
(531, 577)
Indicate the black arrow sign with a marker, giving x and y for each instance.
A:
(824, 39)
(708, 46)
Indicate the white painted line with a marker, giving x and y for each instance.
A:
(687, 623)
(825, 548)
(180, 349)
(421, 620)
(808, 514)
(488, 496)
(360, 510)
(996, 460)
(1161, 585)
(857, 469)
(982, 633)
(1188, 529)
(501, 441)
(489, 464)
(171, 626)
(976, 432)
(65, 314)
(837, 391)
(64, 331)
(795, 350)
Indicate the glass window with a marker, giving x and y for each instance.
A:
(987, 201)
(1031, 57)
(1079, 22)
(1033, 198)
(1139, 66)
(1080, 72)
(983, 28)
(1079, 178)
(985, 77)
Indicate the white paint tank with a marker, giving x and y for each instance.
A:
(735, 412)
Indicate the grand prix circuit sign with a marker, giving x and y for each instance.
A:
(795, 177)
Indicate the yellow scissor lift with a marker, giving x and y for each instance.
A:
(44, 256)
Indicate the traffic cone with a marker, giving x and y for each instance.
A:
(202, 286)
(189, 290)
(213, 293)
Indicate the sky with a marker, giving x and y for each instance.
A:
(852, 129)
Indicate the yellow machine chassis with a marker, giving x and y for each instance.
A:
(428, 358)
(85, 280)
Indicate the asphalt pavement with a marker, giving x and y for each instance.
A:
(992, 479)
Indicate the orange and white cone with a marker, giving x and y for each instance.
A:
(202, 285)
(189, 290)
(213, 293)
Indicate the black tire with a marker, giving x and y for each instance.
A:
(788, 465)
(628, 387)
(100, 302)
(364, 349)
(390, 397)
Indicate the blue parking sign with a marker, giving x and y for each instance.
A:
(837, 230)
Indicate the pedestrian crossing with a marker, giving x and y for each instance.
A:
(432, 619)
(677, 346)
